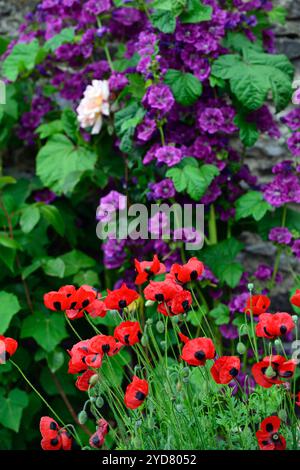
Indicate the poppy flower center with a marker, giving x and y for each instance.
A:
(200, 355)
(269, 427)
(95, 440)
(126, 339)
(105, 348)
(53, 426)
(122, 303)
(140, 396)
(283, 329)
(185, 304)
(275, 437)
(57, 305)
(159, 297)
(73, 305)
(54, 442)
(233, 372)
(85, 303)
(194, 275)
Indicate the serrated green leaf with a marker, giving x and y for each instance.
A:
(54, 267)
(76, 260)
(251, 204)
(29, 218)
(22, 58)
(196, 12)
(221, 314)
(185, 87)
(53, 217)
(48, 129)
(164, 21)
(9, 306)
(47, 330)
(11, 409)
(66, 35)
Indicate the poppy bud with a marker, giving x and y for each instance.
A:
(160, 327)
(99, 402)
(149, 322)
(137, 368)
(149, 303)
(295, 318)
(179, 408)
(250, 286)
(175, 319)
(144, 340)
(277, 343)
(270, 372)
(138, 423)
(185, 372)
(163, 345)
(185, 380)
(241, 348)
(94, 379)
(282, 415)
(179, 386)
(82, 417)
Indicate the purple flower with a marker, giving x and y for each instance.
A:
(146, 43)
(114, 252)
(44, 195)
(292, 119)
(96, 7)
(263, 272)
(229, 331)
(282, 190)
(162, 190)
(169, 155)
(280, 235)
(238, 302)
(117, 81)
(109, 204)
(146, 129)
(211, 120)
(293, 144)
(296, 97)
(159, 97)
(150, 155)
(296, 248)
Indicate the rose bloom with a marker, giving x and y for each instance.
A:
(93, 105)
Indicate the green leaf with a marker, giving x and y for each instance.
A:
(239, 42)
(47, 330)
(11, 409)
(196, 12)
(61, 164)
(29, 218)
(55, 360)
(8, 255)
(194, 180)
(70, 123)
(221, 314)
(9, 242)
(76, 260)
(9, 306)
(248, 130)
(54, 267)
(252, 76)
(251, 204)
(278, 14)
(66, 35)
(48, 129)
(88, 277)
(53, 217)
(220, 259)
(22, 58)
(31, 268)
(164, 21)
(186, 87)
(5, 180)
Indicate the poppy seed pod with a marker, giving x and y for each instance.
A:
(160, 327)
(144, 340)
(270, 372)
(295, 318)
(82, 417)
(94, 379)
(241, 348)
(99, 402)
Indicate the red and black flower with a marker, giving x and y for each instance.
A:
(103, 344)
(83, 356)
(225, 369)
(128, 333)
(268, 437)
(161, 291)
(147, 269)
(97, 439)
(180, 303)
(136, 392)
(273, 370)
(53, 437)
(196, 351)
(274, 325)
(187, 272)
(86, 381)
(120, 298)
(257, 304)
(8, 347)
(96, 309)
(295, 299)
(60, 300)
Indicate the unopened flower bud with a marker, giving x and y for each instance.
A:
(179, 386)
(250, 286)
(282, 415)
(160, 327)
(149, 303)
(241, 348)
(163, 345)
(295, 318)
(94, 379)
(179, 407)
(99, 402)
(138, 423)
(270, 373)
(149, 322)
(185, 372)
(144, 340)
(185, 380)
(82, 417)
(277, 343)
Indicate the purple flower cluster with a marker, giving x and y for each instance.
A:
(280, 235)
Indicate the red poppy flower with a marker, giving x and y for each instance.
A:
(136, 392)
(273, 370)
(268, 437)
(295, 299)
(162, 291)
(120, 298)
(179, 304)
(146, 269)
(60, 300)
(258, 304)
(54, 438)
(83, 356)
(196, 351)
(83, 297)
(189, 271)
(96, 309)
(103, 344)
(84, 382)
(225, 369)
(272, 326)
(128, 333)
(97, 439)
(8, 347)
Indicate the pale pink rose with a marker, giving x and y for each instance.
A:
(94, 105)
